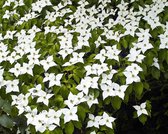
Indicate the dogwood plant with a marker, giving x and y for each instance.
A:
(72, 66)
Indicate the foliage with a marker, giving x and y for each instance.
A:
(83, 66)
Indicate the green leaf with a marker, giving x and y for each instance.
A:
(107, 100)
(56, 89)
(162, 55)
(76, 78)
(58, 100)
(148, 107)
(77, 124)
(155, 73)
(124, 43)
(109, 131)
(38, 70)
(116, 102)
(69, 128)
(149, 58)
(142, 119)
(146, 85)
(138, 88)
(5, 106)
(81, 113)
(6, 121)
(58, 131)
(127, 93)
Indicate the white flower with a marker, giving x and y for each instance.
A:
(155, 63)
(93, 81)
(7, 14)
(79, 98)
(99, 41)
(37, 6)
(106, 120)
(141, 109)
(20, 100)
(82, 41)
(19, 3)
(135, 55)
(36, 91)
(134, 68)
(91, 69)
(70, 114)
(55, 79)
(101, 56)
(9, 35)
(93, 132)
(107, 78)
(131, 28)
(77, 57)
(131, 77)
(74, 99)
(71, 102)
(39, 123)
(91, 100)
(102, 68)
(31, 116)
(65, 52)
(23, 109)
(112, 52)
(34, 57)
(48, 63)
(84, 85)
(27, 68)
(12, 86)
(145, 45)
(44, 97)
(13, 57)
(16, 70)
(131, 73)
(107, 91)
(94, 121)
(119, 90)
(34, 30)
(7, 3)
(143, 35)
(51, 16)
(54, 116)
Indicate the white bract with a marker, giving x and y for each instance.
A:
(12, 86)
(70, 114)
(141, 109)
(48, 63)
(107, 120)
(94, 121)
(131, 73)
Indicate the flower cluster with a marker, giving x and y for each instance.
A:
(62, 63)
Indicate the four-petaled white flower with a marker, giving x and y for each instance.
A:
(94, 121)
(70, 114)
(12, 86)
(49, 62)
(107, 120)
(141, 109)
(44, 97)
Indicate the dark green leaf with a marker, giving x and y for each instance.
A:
(6, 121)
(116, 102)
(69, 128)
(138, 88)
(143, 119)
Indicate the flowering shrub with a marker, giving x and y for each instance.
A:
(77, 66)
